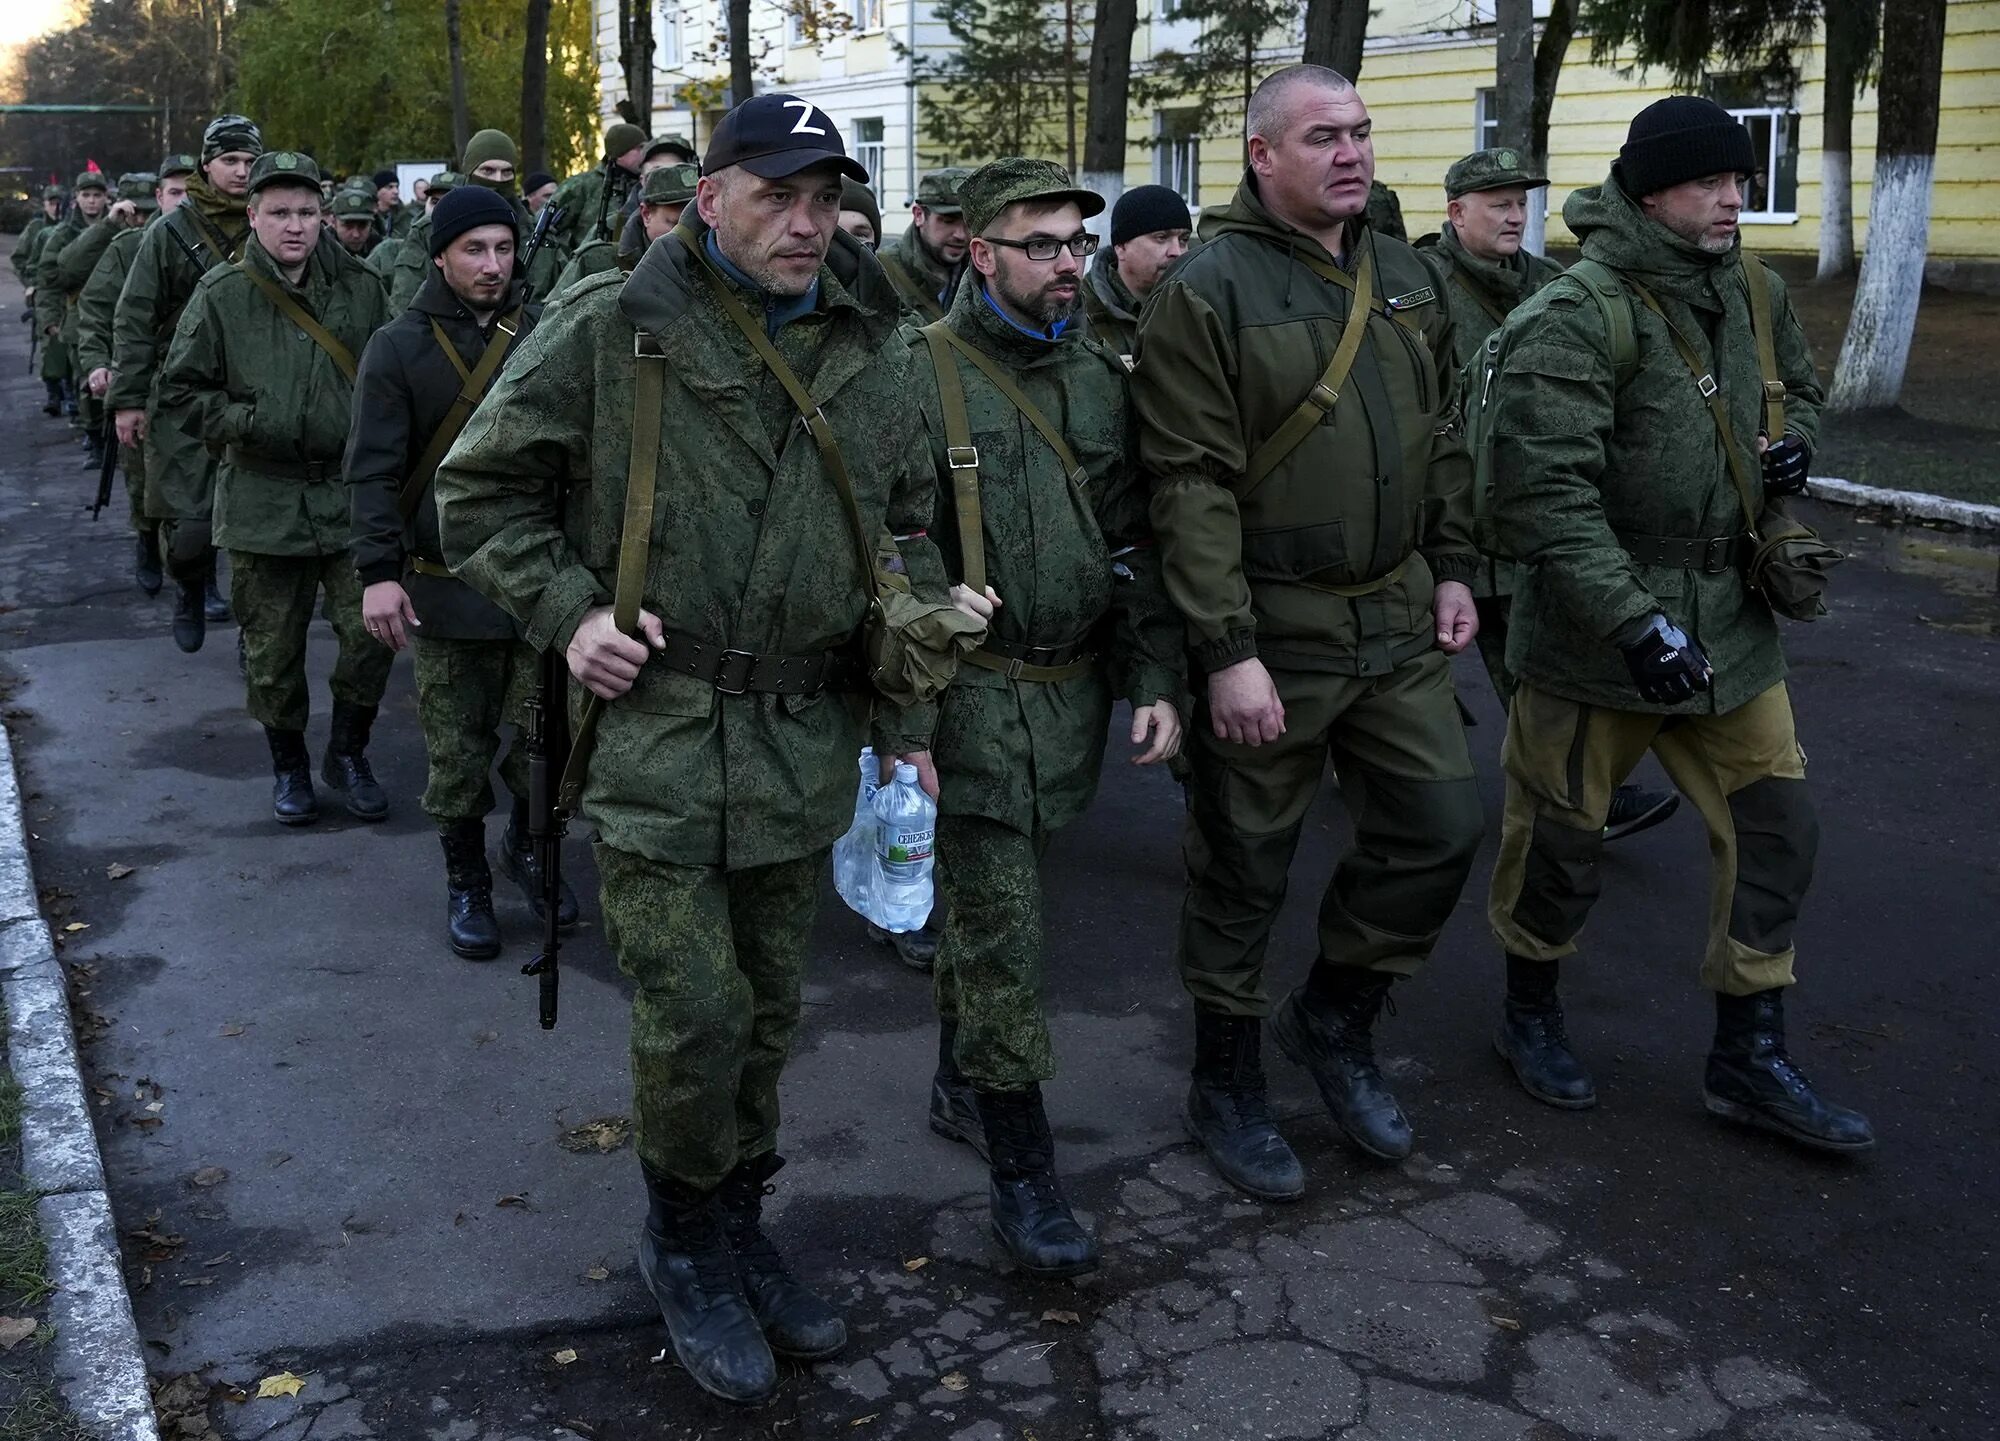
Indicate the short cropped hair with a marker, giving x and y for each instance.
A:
(1270, 104)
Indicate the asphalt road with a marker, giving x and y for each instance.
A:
(401, 1226)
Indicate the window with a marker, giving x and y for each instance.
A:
(795, 27)
(1485, 119)
(1177, 156)
(871, 152)
(867, 16)
(1765, 108)
(667, 34)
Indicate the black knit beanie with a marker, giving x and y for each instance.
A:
(385, 177)
(1146, 208)
(1682, 137)
(468, 208)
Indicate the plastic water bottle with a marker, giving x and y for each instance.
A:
(854, 853)
(905, 828)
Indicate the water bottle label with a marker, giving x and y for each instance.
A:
(905, 852)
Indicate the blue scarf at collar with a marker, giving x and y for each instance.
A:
(1052, 334)
(779, 310)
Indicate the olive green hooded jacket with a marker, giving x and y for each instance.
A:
(73, 269)
(161, 282)
(1229, 345)
(97, 301)
(52, 297)
(255, 387)
(751, 544)
(1027, 753)
(1578, 458)
(1111, 309)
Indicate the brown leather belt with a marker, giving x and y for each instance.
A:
(1041, 663)
(1712, 555)
(306, 470)
(736, 672)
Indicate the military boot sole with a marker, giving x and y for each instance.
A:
(1547, 1098)
(1235, 1178)
(1658, 813)
(310, 818)
(490, 952)
(1298, 1049)
(1759, 1118)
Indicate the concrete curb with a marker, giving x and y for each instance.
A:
(98, 1358)
(1906, 504)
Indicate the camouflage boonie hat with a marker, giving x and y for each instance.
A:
(1490, 170)
(938, 193)
(290, 166)
(993, 187)
(92, 180)
(442, 183)
(670, 185)
(352, 204)
(137, 187)
(178, 164)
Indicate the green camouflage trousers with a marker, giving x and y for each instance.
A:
(467, 690)
(988, 975)
(272, 596)
(132, 461)
(716, 957)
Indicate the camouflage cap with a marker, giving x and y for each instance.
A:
(994, 186)
(92, 180)
(177, 164)
(352, 203)
(276, 167)
(137, 187)
(678, 143)
(443, 183)
(670, 185)
(1490, 170)
(55, 192)
(226, 134)
(938, 193)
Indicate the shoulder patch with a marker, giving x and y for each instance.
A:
(1411, 299)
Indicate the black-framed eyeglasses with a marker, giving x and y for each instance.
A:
(1082, 245)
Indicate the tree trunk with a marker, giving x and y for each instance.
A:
(535, 89)
(1877, 347)
(1335, 31)
(1106, 103)
(741, 85)
(1550, 50)
(461, 113)
(1069, 85)
(1850, 40)
(1514, 94)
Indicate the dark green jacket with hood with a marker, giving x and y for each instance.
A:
(1111, 309)
(1579, 458)
(1229, 346)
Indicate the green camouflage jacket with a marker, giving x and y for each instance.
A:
(97, 302)
(24, 248)
(51, 298)
(73, 270)
(933, 282)
(260, 390)
(160, 284)
(1578, 459)
(598, 256)
(751, 544)
(1111, 309)
(588, 213)
(1229, 345)
(1027, 753)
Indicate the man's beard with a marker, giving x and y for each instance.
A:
(1044, 309)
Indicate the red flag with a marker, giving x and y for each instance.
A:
(90, 167)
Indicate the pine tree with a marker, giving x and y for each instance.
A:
(1010, 84)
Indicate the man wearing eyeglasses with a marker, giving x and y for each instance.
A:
(1298, 407)
(1039, 511)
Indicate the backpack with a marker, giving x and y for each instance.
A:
(1482, 378)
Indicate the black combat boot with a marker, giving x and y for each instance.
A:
(524, 869)
(1635, 808)
(1532, 1039)
(469, 922)
(190, 626)
(916, 949)
(214, 609)
(1326, 1026)
(1228, 1113)
(292, 798)
(345, 765)
(954, 1111)
(798, 1325)
(1751, 1079)
(685, 1260)
(93, 448)
(52, 402)
(146, 561)
(1031, 1220)
(69, 398)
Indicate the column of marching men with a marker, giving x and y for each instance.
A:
(773, 494)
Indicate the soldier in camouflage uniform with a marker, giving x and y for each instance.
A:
(925, 261)
(55, 302)
(354, 223)
(1317, 535)
(131, 207)
(24, 247)
(1021, 733)
(593, 201)
(663, 194)
(1150, 230)
(1622, 489)
(724, 763)
(97, 306)
(473, 673)
(262, 367)
(207, 230)
(489, 162)
(382, 260)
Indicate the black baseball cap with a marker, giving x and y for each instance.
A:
(774, 136)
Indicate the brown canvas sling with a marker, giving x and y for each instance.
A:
(1319, 401)
(325, 339)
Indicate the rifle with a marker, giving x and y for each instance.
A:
(110, 467)
(551, 216)
(545, 734)
(34, 337)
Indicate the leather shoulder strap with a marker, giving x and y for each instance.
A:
(635, 540)
(471, 390)
(325, 339)
(1319, 401)
(961, 458)
(1757, 279)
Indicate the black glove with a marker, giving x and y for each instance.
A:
(1666, 666)
(1785, 464)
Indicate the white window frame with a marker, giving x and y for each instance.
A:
(870, 16)
(1784, 120)
(795, 29)
(872, 154)
(1485, 118)
(667, 54)
(1177, 159)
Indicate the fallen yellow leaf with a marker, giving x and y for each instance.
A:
(282, 1384)
(918, 1264)
(1062, 1318)
(232, 1029)
(953, 1381)
(75, 926)
(210, 1176)
(597, 1273)
(117, 871)
(14, 1330)
(564, 1357)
